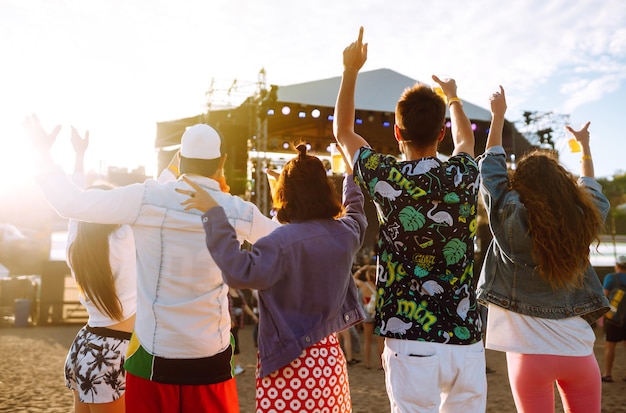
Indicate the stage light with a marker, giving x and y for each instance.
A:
(302, 115)
(474, 126)
(359, 121)
(316, 113)
(286, 110)
(386, 119)
(308, 146)
(331, 117)
(286, 145)
(270, 112)
(370, 117)
(448, 124)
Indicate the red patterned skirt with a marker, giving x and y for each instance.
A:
(315, 382)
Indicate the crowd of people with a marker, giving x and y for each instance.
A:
(160, 267)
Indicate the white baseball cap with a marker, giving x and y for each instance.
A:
(200, 142)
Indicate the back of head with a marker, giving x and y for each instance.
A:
(200, 150)
(563, 220)
(420, 115)
(304, 191)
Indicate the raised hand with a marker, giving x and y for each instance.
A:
(498, 102)
(355, 55)
(581, 135)
(447, 85)
(41, 140)
(198, 197)
(78, 143)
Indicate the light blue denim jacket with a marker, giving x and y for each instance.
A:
(508, 278)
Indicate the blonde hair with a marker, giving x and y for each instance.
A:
(89, 259)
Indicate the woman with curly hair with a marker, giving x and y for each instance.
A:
(543, 295)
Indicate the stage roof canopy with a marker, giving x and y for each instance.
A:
(376, 90)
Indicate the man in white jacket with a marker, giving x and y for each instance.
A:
(179, 358)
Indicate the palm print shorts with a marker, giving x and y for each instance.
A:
(94, 366)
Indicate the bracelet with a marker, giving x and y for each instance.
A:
(454, 99)
(585, 158)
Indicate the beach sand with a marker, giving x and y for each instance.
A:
(32, 359)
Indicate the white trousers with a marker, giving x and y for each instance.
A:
(432, 377)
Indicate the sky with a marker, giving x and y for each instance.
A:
(116, 68)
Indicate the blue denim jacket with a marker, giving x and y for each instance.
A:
(303, 271)
(508, 278)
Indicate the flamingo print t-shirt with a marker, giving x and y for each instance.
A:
(427, 215)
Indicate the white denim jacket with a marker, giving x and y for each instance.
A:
(182, 308)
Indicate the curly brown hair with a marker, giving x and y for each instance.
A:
(563, 221)
(304, 191)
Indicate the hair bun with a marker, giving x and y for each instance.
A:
(301, 148)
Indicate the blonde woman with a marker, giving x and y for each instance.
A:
(102, 261)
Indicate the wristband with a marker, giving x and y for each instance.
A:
(454, 99)
(585, 158)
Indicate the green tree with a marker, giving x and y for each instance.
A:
(615, 190)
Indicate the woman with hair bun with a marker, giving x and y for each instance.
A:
(302, 271)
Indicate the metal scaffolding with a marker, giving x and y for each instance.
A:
(261, 184)
(258, 101)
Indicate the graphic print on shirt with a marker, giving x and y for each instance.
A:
(427, 212)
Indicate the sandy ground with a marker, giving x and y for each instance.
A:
(32, 358)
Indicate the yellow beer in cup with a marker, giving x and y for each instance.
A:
(574, 146)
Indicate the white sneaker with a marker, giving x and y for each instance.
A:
(238, 370)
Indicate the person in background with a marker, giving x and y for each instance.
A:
(613, 333)
(426, 307)
(537, 281)
(180, 354)
(302, 271)
(238, 306)
(101, 258)
(365, 279)
(346, 340)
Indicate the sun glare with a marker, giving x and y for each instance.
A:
(18, 169)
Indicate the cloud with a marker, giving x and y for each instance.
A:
(583, 91)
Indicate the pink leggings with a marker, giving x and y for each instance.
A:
(532, 378)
